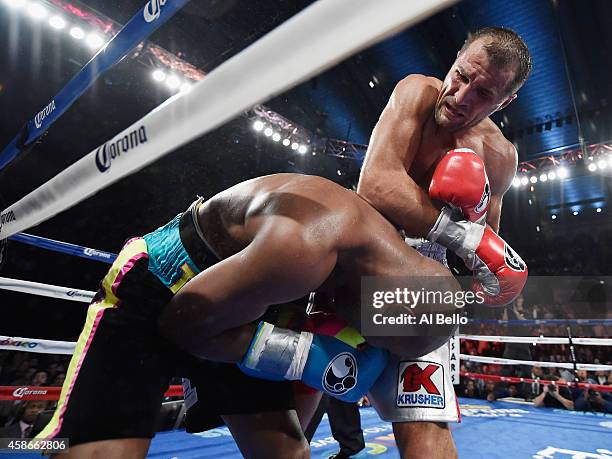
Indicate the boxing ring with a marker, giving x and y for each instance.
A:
(272, 68)
(544, 433)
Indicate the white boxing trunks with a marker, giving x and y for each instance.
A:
(419, 389)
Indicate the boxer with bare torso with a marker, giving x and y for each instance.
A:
(423, 120)
(200, 281)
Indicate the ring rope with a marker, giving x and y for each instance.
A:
(48, 290)
(288, 55)
(531, 322)
(516, 379)
(502, 361)
(140, 26)
(53, 393)
(42, 346)
(64, 247)
(539, 340)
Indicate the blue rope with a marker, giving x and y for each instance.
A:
(141, 26)
(64, 247)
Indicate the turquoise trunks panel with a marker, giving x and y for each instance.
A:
(167, 255)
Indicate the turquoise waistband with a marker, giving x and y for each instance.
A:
(167, 255)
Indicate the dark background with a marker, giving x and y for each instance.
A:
(570, 86)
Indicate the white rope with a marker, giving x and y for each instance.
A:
(539, 340)
(52, 291)
(42, 346)
(308, 43)
(500, 361)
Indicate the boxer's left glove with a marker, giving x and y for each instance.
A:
(323, 362)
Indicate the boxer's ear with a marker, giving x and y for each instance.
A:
(507, 102)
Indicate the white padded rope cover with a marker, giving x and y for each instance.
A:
(303, 46)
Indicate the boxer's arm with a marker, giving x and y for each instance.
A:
(501, 169)
(384, 180)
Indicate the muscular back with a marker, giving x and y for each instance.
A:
(312, 208)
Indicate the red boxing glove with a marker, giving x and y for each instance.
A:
(460, 179)
(499, 272)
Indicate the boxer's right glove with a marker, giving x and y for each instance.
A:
(460, 180)
(323, 362)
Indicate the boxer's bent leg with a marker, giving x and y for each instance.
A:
(115, 382)
(424, 440)
(278, 266)
(260, 414)
(307, 401)
(129, 448)
(274, 434)
(418, 396)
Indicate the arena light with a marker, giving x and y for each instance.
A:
(302, 149)
(592, 167)
(562, 172)
(524, 181)
(286, 142)
(533, 179)
(173, 82)
(57, 22)
(553, 216)
(185, 87)
(94, 41)
(268, 132)
(371, 84)
(543, 177)
(276, 137)
(77, 32)
(295, 146)
(37, 11)
(516, 182)
(575, 212)
(258, 125)
(601, 164)
(339, 172)
(552, 175)
(159, 75)
(598, 210)
(15, 3)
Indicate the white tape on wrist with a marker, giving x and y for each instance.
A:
(299, 358)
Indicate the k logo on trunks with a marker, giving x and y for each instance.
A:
(420, 384)
(340, 376)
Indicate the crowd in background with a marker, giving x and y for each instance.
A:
(31, 370)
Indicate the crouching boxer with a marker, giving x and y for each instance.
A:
(202, 282)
